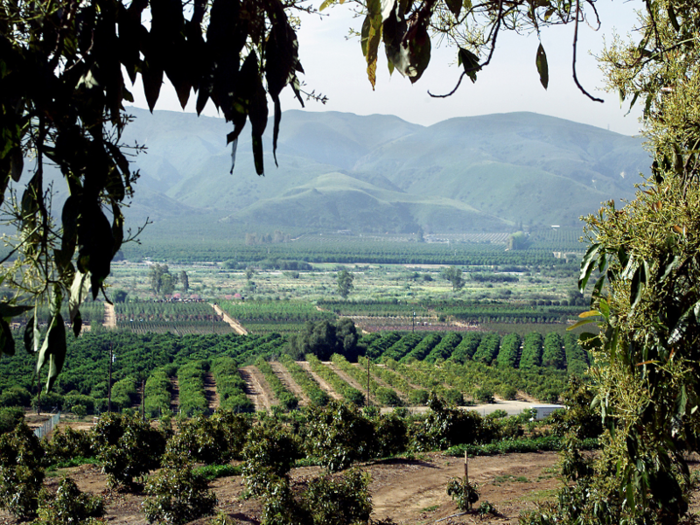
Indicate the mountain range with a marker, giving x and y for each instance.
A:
(378, 173)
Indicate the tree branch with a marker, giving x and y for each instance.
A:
(573, 61)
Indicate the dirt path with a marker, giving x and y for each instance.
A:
(210, 391)
(110, 316)
(254, 388)
(288, 381)
(352, 382)
(237, 327)
(174, 395)
(407, 491)
(328, 389)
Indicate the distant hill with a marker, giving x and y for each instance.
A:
(380, 173)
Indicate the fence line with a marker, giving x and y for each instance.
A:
(47, 427)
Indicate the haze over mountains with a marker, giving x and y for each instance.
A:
(378, 173)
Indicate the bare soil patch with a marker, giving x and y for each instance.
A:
(174, 395)
(321, 382)
(410, 491)
(288, 381)
(210, 391)
(257, 389)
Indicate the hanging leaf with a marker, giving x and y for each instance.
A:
(470, 62)
(372, 28)
(542, 66)
(234, 146)
(455, 6)
(56, 349)
(587, 266)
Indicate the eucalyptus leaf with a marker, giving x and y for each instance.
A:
(542, 66)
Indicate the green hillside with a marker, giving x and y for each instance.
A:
(381, 174)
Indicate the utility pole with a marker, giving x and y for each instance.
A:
(109, 381)
(143, 400)
(413, 328)
(367, 357)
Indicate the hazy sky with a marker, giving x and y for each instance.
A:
(336, 68)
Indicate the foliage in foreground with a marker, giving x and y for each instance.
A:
(176, 496)
(69, 506)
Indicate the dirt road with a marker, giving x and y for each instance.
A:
(288, 381)
(328, 389)
(110, 316)
(254, 388)
(237, 327)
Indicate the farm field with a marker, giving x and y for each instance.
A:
(408, 491)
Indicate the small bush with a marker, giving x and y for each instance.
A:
(418, 397)
(454, 397)
(388, 397)
(69, 506)
(338, 435)
(464, 493)
(10, 417)
(127, 447)
(391, 436)
(269, 453)
(67, 444)
(212, 440)
(176, 496)
(21, 472)
(485, 395)
(339, 501)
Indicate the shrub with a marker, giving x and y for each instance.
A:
(269, 454)
(67, 444)
(21, 472)
(418, 397)
(176, 496)
(15, 396)
(10, 417)
(507, 392)
(69, 506)
(127, 448)
(464, 493)
(338, 435)
(391, 435)
(214, 440)
(339, 501)
(454, 397)
(445, 427)
(388, 397)
(485, 395)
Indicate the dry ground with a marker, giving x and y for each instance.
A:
(408, 491)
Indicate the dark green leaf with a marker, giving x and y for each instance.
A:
(587, 265)
(470, 62)
(672, 17)
(455, 6)
(17, 163)
(13, 310)
(7, 342)
(32, 335)
(56, 349)
(77, 323)
(542, 66)
(638, 281)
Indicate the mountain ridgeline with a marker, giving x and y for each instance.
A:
(378, 173)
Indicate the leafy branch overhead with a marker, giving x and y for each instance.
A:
(62, 94)
(406, 27)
